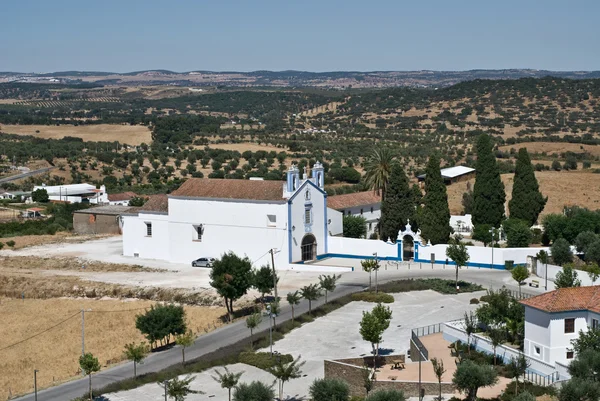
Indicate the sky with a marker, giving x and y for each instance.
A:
(308, 35)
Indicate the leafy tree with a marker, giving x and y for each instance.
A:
(583, 240)
(328, 283)
(579, 390)
(231, 276)
(386, 395)
(527, 201)
(185, 340)
(561, 252)
(227, 379)
(398, 205)
(459, 255)
(373, 325)
(370, 265)
(161, 322)
(40, 195)
(566, 278)
(354, 226)
(520, 274)
(556, 165)
(264, 280)
(435, 216)
(368, 379)
(136, 353)
(488, 191)
(470, 326)
(285, 372)
(310, 292)
(438, 370)
(252, 322)
(329, 390)
(89, 364)
(378, 169)
(524, 396)
(469, 377)
(467, 202)
(518, 233)
(137, 201)
(592, 252)
(589, 339)
(517, 368)
(496, 337)
(178, 389)
(481, 232)
(593, 271)
(293, 299)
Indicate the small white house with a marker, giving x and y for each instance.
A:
(554, 319)
(366, 204)
(76, 193)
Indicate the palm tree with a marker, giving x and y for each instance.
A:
(228, 379)
(438, 370)
(293, 299)
(252, 322)
(378, 168)
(311, 292)
(470, 327)
(286, 371)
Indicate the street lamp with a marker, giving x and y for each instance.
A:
(165, 384)
(273, 251)
(35, 383)
(492, 230)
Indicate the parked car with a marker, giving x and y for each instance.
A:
(203, 262)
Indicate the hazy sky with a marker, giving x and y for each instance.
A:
(185, 35)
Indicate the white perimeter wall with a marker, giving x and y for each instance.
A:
(553, 271)
(362, 248)
(135, 240)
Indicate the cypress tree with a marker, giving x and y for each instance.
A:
(527, 201)
(435, 217)
(398, 205)
(488, 191)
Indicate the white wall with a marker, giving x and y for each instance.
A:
(363, 248)
(336, 227)
(537, 334)
(561, 341)
(553, 271)
(135, 240)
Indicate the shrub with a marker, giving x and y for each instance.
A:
(10, 243)
(386, 395)
(161, 322)
(329, 390)
(474, 301)
(533, 389)
(436, 284)
(381, 297)
(262, 360)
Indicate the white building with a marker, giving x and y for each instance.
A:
(366, 204)
(120, 199)
(206, 218)
(462, 224)
(555, 318)
(76, 193)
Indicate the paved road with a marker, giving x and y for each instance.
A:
(231, 334)
(25, 175)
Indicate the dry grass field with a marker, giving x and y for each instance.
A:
(242, 147)
(562, 188)
(108, 327)
(129, 134)
(554, 147)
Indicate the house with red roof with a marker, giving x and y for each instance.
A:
(554, 319)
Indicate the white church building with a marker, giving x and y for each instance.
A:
(208, 217)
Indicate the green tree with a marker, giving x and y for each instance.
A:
(264, 280)
(593, 271)
(488, 191)
(161, 322)
(373, 325)
(435, 216)
(589, 339)
(178, 389)
(40, 195)
(137, 201)
(527, 201)
(459, 255)
(525, 396)
(231, 276)
(496, 337)
(285, 372)
(517, 368)
(370, 265)
(293, 299)
(252, 322)
(354, 226)
(592, 252)
(398, 205)
(378, 169)
(481, 232)
(310, 292)
(89, 364)
(136, 353)
(561, 252)
(438, 371)
(227, 379)
(328, 283)
(386, 395)
(584, 239)
(518, 233)
(470, 326)
(567, 278)
(329, 390)
(520, 274)
(185, 340)
(469, 377)
(368, 379)
(254, 391)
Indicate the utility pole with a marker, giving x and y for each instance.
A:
(376, 268)
(270, 330)
(83, 330)
(492, 231)
(166, 383)
(272, 251)
(35, 382)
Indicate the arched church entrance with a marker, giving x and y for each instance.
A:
(309, 247)
(408, 247)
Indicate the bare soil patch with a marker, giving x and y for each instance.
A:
(242, 147)
(108, 327)
(129, 134)
(554, 147)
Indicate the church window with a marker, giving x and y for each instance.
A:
(307, 216)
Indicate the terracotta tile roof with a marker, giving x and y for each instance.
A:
(121, 196)
(231, 189)
(339, 202)
(567, 299)
(155, 203)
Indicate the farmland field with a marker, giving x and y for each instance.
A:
(554, 147)
(108, 327)
(129, 134)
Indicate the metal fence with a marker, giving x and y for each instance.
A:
(523, 295)
(420, 346)
(427, 330)
(542, 380)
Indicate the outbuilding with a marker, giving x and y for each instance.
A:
(99, 220)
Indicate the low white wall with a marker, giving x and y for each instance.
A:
(553, 270)
(362, 248)
(454, 331)
(479, 256)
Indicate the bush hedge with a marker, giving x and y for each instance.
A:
(262, 360)
(435, 284)
(370, 296)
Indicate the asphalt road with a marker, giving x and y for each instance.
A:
(25, 175)
(233, 333)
